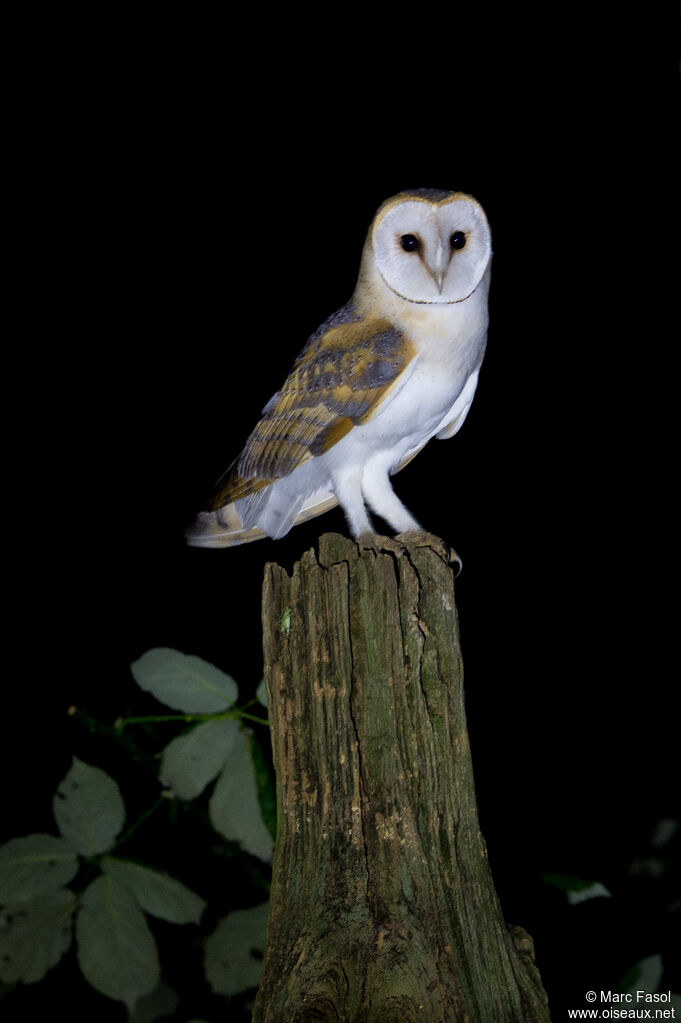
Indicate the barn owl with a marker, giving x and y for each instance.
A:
(395, 366)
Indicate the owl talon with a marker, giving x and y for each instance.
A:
(380, 544)
(424, 539)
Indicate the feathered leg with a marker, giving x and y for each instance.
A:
(382, 499)
(348, 489)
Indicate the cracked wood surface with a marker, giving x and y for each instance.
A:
(383, 905)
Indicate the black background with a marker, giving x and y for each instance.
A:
(191, 203)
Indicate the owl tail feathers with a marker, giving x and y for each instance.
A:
(221, 528)
(224, 528)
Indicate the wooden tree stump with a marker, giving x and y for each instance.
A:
(383, 907)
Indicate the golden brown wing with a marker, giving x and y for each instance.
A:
(344, 371)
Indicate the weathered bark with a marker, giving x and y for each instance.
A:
(383, 905)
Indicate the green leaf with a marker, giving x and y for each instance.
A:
(184, 682)
(234, 807)
(261, 692)
(229, 961)
(264, 781)
(33, 865)
(160, 1004)
(35, 935)
(157, 893)
(192, 760)
(645, 975)
(576, 888)
(89, 809)
(593, 891)
(566, 882)
(116, 950)
(664, 832)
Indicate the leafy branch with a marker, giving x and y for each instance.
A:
(238, 714)
(117, 950)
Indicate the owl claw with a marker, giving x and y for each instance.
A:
(424, 539)
(380, 544)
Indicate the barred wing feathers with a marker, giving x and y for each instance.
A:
(338, 381)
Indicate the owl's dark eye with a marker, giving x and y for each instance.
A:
(458, 240)
(409, 242)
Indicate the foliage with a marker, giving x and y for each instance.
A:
(80, 885)
(649, 882)
(126, 906)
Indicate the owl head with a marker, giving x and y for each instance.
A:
(430, 247)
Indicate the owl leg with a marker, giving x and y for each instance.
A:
(382, 499)
(348, 489)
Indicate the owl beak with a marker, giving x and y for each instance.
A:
(439, 267)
